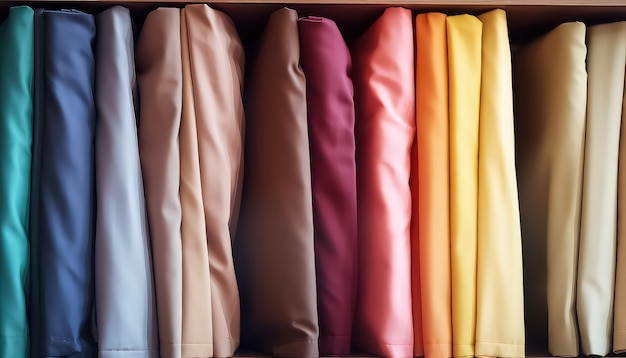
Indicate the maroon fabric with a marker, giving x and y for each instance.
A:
(325, 60)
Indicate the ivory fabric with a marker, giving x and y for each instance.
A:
(159, 77)
(431, 110)
(464, 61)
(499, 270)
(326, 62)
(550, 102)
(216, 54)
(197, 310)
(274, 247)
(62, 219)
(606, 61)
(16, 125)
(384, 83)
(126, 309)
(619, 319)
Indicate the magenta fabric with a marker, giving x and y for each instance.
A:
(325, 60)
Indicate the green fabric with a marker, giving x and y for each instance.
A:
(16, 75)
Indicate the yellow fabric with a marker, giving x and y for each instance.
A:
(550, 101)
(606, 58)
(499, 281)
(619, 321)
(464, 61)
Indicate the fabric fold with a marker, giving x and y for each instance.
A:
(464, 61)
(16, 125)
(606, 61)
(550, 81)
(159, 77)
(126, 307)
(619, 319)
(499, 270)
(431, 111)
(274, 248)
(64, 199)
(325, 60)
(384, 94)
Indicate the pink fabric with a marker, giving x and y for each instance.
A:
(326, 63)
(385, 130)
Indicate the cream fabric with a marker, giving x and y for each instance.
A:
(550, 101)
(606, 59)
(499, 281)
(619, 320)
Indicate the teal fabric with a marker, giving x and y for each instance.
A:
(16, 75)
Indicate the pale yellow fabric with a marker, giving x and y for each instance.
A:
(464, 61)
(499, 281)
(606, 58)
(619, 322)
(550, 101)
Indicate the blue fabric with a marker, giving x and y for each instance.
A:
(62, 225)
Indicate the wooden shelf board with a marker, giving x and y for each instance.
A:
(438, 3)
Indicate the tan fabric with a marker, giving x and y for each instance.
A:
(217, 62)
(197, 308)
(274, 246)
(606, 61)
(159, 73)
(619, 320)
(550, 83)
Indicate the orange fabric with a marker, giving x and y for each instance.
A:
(431, 91)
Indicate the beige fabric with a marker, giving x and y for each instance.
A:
(619, 323)
(550, 88)
(606, 61)
(159, 75)
(217, 62)
(274, 248)
(197, 309)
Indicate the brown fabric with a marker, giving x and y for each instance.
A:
(159, 74)
(217, 61)
(274, 253)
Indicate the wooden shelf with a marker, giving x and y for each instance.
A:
(410, 3)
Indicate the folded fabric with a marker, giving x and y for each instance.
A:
(550, 101)
(464, 60)
(384, 85)
(216, 59)
(606, 61)
(499, 270)
(126, 307)
(431, 110)
(326, 63)
(619, 319)
(16, 125)
(159, 76)
(274, 248)
(62, 219)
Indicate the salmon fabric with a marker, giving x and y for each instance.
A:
(550, 80)
(431, 93)
(464, 59)
(499, 271)
(384, 83)
(159, 75)
(326, 63)
(274, 247)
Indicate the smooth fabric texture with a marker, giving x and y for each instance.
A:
(499, 270)
(217, 55)
(159, 76)
(326, 62)
(384, 85)
(619, 319)
(197, 334)
(550, 82)
(606, 61)
(274, 248)
(464, 61)
(64, 224)
(126, 307)
(431, 111)
(16, 109)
